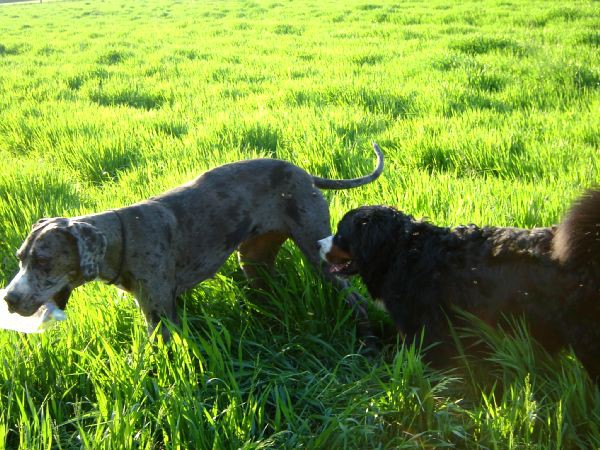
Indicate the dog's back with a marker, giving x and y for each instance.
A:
(549, 275)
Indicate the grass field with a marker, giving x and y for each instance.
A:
(488, 112)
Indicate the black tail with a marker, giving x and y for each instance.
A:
(577, 240)
(326, 183)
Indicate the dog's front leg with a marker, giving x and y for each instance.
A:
(407, 326)
(157, 302)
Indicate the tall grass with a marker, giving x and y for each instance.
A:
(488, 112)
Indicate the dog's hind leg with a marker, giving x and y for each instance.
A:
(259, 253)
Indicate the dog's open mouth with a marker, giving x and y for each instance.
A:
(62, 297)
(345, 268)
(35, 322)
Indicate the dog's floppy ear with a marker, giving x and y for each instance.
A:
(366, 240)
(91, 245)
(35, 230)
(374, 237)
(40, 223)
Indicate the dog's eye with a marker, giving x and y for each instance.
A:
(41, 261)
(339, 241)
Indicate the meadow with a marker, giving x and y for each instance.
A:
(488, 112)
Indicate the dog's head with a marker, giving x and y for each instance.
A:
(364, 239)
(58, 255)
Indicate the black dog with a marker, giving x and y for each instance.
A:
(551, 276)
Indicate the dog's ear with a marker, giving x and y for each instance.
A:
(91, 245)
(373, 238)
(35, 230)
(43, 222)
(40, 223)
(364, 241)
(361, 221)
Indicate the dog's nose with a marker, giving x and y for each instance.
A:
(12, 300)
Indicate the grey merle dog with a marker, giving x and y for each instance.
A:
(158, 248)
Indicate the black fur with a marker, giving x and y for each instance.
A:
(420, 271)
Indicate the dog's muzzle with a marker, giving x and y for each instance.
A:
(325, 247)
(12, 300)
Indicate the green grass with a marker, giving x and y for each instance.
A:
(488, 111)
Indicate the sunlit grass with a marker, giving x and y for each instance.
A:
(488, 112)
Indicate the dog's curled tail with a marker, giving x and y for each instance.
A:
(327, 183)
(577, 240)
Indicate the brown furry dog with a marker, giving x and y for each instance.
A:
(420, 272)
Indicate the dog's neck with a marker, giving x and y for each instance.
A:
(111, 225)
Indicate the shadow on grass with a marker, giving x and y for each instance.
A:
(505, 162)
(131, 96)
(591, 39)
(373, 101)
(461, 102)
(112, 57)
(479, 45)
(9, 50)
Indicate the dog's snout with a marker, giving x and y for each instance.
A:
(325, 242)
(12, 299)
(324, 246)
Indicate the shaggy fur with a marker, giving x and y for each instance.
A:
(551, 276)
